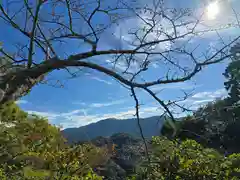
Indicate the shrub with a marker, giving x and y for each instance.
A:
(187, 160)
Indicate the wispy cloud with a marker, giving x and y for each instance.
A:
(101, 80)
(21, 102)
(53, 115)
(122, 66)
(81, 117)
(122, 32)
(210, 94)
(74, 112)
(202, 98)
(111, 102)
(79, 103)
(181, 86)
(155, 65)
(76, 121)
(197, 102)
(94, 77)
(78, 118)
(96, 105)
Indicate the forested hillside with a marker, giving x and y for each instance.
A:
(151, 127)
(31, 148)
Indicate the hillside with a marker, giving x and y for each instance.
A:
(127, 154)
(151, 127)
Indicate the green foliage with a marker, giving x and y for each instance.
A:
(214, 125)
(29, 173)
(187, 160)
(11, 113)
(232, 74)
(31, 148)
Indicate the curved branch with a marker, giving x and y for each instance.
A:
(23, 76)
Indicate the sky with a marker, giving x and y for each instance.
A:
(93, 96)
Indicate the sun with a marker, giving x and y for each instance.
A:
(213, 10)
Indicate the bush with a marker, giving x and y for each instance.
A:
(31, 148)
(187, 160)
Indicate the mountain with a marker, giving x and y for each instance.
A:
(151, 126)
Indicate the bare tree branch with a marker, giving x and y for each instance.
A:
(32, 35)
(139, 124)
(160, 35)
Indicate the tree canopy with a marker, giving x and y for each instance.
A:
(187, 160)
(31, 148)
(232, 73)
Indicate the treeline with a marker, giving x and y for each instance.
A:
(215, 125)
(31, 148)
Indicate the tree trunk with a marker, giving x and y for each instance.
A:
(14, 86)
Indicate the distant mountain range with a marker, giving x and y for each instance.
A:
(151, 127)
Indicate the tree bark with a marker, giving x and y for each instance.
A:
(14, 86)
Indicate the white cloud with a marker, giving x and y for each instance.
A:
(202, 98)
(101, 80)
(91, 76)
(210, 94)
(198, 102)
(53, 115)
(79, 103)
(122, 66)
(21, 102)
(97, 105)
(181, 85)
(71, 113)
(124, 35)
(78, 118)
(155, 65)
(135, 23)
(124, 32)
(76, 121)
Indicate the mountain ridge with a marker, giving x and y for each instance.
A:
(151, 127)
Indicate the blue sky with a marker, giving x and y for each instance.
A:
(94, 96)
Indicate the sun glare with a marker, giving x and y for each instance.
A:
(213, 10)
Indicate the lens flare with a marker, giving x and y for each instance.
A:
(213, 10)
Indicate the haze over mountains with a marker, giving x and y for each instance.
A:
(151, 127)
